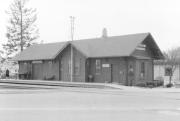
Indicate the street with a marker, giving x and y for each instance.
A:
(89, 104)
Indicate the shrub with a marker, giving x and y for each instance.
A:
(160, 83)
(141, 84)
(150, 84)
(169, 85)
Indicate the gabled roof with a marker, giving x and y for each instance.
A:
(114, 46)
(41, 51)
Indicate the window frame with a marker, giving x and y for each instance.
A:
(69, 67)
(77, 66)
(98, 66)
(142, 69)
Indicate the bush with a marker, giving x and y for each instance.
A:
(150, 84)
(169, 85)
(160, 83)
(141, 84)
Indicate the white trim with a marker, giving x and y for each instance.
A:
(37, 61)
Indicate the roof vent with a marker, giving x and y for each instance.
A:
(104, 33)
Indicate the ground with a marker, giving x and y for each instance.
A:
(90, 104)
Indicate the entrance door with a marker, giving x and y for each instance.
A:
(65, 69)
(119, 73)
(130, 73)
(37, 71)
(115, 73)
(122, 73)
(107, 73)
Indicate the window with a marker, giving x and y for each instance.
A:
(168, 71)
(50, 65)
(23, 68)
(98, 66)
(141, 47)
(77, 66)
(69, 67)
(142, 69)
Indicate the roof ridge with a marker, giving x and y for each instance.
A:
(92, 38)
(147, 33)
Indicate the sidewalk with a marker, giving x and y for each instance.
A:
(133, 88)
(56, 84)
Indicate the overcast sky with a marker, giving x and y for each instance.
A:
(159, 17)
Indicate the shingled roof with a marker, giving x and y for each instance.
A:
(114, 46)
(41, 52)
(110, 46)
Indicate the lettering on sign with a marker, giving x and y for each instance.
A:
(36, 61)
(105, 65)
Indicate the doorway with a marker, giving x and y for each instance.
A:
(37, 71)
(107, 73)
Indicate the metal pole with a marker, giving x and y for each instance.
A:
(72, 37)
(21, 26)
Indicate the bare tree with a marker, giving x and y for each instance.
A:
(172, 58)
(21, 30)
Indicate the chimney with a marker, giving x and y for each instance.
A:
(104, 33)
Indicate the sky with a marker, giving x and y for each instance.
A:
(159, 17)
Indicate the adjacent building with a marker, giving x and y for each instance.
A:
(126, 60)
(163, 70)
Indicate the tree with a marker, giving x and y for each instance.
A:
(172, 58)
(21, 30)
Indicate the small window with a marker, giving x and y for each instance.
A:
(141, 47)
(77, 66)
(142, 69)
(168, 71)
(69, 67)
(23, 68)
(98, 66)
(50, 65)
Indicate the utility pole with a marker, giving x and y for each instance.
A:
(72, 37)
(21, 26)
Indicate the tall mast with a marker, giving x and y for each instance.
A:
(72, 37)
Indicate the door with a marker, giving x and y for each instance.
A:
(122, 73)
(119, 73)
(115, 73)
(65, 69)
(37, 71)
(131, 78)
(107, 73)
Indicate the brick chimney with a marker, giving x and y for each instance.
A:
(104, 33)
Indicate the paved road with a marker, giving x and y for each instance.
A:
(87, 104)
